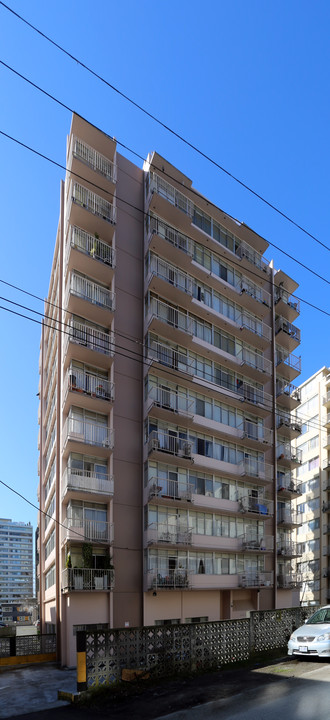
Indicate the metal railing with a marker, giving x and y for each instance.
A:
(326, 398)
(243, 250)
(171, 400)
(93, 159)
(289, 580)
(168, 233)
(254, 325)
(170, 315)
(288, 482)
(167, 579)
(287, 388)
(326, 441)
(257, 542)
(287, 548)
(254, 360)
(172, 533)
(80, 529)
(253, 467)
(285, 451)
(290, 360)
(87, 432)
(288, 517)
(87, 579)
(171, 194)
(93, 203)
(253, 431)
(159, 440)
(172, 489)
(172, 275)
(285, 421)
(83, 382)
(249, 503)
(86, 289)
(171, 357)
(291, 301)
(90, 245)
(288, 328)
(90, 337)
(256, 579)
(87, 481)
(255, 291)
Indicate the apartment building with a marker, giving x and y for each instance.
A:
(313, 504)
(16, 563)
(167, 358)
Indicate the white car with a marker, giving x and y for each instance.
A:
(313, 638)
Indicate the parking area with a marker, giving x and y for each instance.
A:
(34, 688)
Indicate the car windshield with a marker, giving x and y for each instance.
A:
(321, 616)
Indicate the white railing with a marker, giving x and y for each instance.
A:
(263, 507)
(170, 193)
(326, 441)
(287, 548)
(285, 451)
(173, 489)
(94, 203)
(159, 440)
(88, 530)
(326, 398)
(288, 328)
(256, 579)
(288, 517)
(164, 270)
(257, 542)
(87, 432)
(256, 326)
(287, 482)
(86, 289)
(255, 291)
(252, 359)
(292, 361)
(83, 382)
(158, 579)
(176, 238)
(87, 481)
(169, 314)
(94, 159)
(171, 357)
(170, 400)
(253, 467)
(90, 337)
(254, 431)
(281, 294)
(173, 533)
(90, 245)
(286, 388)
(243, 250)
(288, 422)
(87, 579)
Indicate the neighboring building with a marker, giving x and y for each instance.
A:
(313, 536)
(165, 395)
(16, 562)
(25, 612)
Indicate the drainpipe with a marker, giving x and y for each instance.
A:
(58, 442)
(273, 350)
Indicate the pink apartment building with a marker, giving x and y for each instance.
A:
(166, 466)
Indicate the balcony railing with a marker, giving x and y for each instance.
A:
(171, 357)
(286, 388)
(285, 451)
(167, 579)
(159, 440)
(87, 579)
(292, 302)
(257, 542)
(287, 548)
(170, 315)
(174, 534)
(88, 530)
(256, 579)
(171, 194)
(254, 291)
(170, 489)
(176, 238)
(289, 580)
(326, 442)
(288, 517)
(93, 159)
(288, 483)
(243, 250)
(172, 275)
(255, 468)
(90, 245)
(90, 337)
(93, 203)
(252, 431)
(86, 289)
(87, 432)
(288, 328)
(292, 361)
(326, 398)
(256, 326)
(285, 421)
(170, 400)
(96, 386)
(254, 360)
(249, 503)
(87, 481)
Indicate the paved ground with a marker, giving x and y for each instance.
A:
(242, 693)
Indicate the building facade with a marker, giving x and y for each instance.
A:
(16, 562)
(166, 369)
(313, 535)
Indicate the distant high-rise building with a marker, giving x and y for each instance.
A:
(16, 562)
(166, 366)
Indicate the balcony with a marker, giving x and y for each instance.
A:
(161, 272)
(254, 331)
(160, 312)
(91, 211)
(93, 159)
(85, 433)
(256, 542)
(77, 481)
(79, 289)
(288, 518)
(171, 534)
(256, 434)
(326, 443)
(85, 252)
(326, 399)
(287, 549)
(288, 396)
(326, 464)
(254, 296)
(255, 365)
(256, 579)
(163, 400)
(288, 427)
(81, 530)
(288, 456)
(251, 504)
(286, 305)
(83, 340)
(168, 580)
(326, 507)
(253, 469)
(327, 422)
(287, 581)
(287, 335)
(86, 386)
(167, 489)
(162, 442)
(165, 200)
(86, 579)
(287, 485)
(171, 357)
(288, 365)
(246, 253)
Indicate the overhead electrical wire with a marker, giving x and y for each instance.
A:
(166, 127)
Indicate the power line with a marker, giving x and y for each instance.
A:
(167, 128)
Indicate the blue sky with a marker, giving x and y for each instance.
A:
(247, 82)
